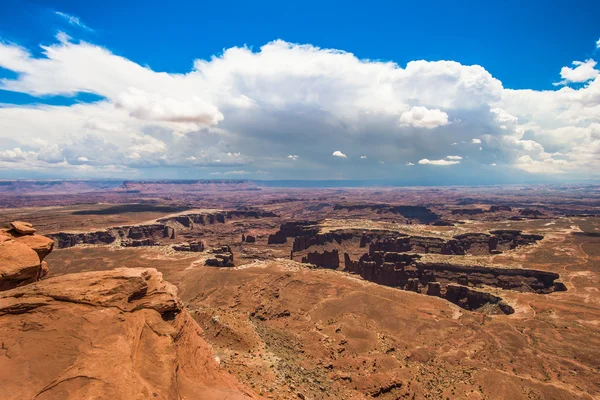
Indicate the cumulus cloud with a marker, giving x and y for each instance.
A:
(363, 157)
(423, 118)
(152, 106)
(582, 72)
(425, 161)
(338, 153)
(410, 164)
(16, 154)
(243, 109)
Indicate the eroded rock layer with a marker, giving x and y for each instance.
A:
(22, 254)
(120, 334)
(418, 213)
(456, 283)
(471, 243)
(127, 236)
(210, 218)
(293, 229)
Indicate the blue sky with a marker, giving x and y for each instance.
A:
(518, 45)
(522, 43)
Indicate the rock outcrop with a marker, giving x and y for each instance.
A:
(22, 255)
(191, 220)
(119, 334)
(23, 228)
(195, 247)
(408, 272)
(418, 213)
(498, 208)
(473, 299)
(467, 211)
(293, 229)
(527, 212)
(127, 236)
(223, 257)
(470, 243)
(326, 259)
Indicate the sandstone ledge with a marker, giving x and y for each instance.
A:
(109, 334)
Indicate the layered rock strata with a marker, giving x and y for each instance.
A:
(22, 254)
(119, 334)
(127, 236)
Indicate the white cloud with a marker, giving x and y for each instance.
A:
(454, 157)
(598, 44)
(493, 164)
(16, 154)
(82, 159)
(583, 72)
(410, 164)
(338, 153)
(286, 99)
(425, 161)
(63, 37)
(51, 154)
(71, 19)
(363, 157)
(152, 106)
(240, 172)
(423, 118)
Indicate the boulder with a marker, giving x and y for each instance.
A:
(120, 334)
(19, 265)
(23, 228)
(21, 256)
(40, 244)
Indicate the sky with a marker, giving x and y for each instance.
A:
(434, 92)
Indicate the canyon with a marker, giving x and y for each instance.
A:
(232, 289)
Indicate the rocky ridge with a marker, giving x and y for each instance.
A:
(119, 334)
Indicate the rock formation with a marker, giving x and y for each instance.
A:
(223, 257)
(22, 254)
(293, 229)
(120, 334)
(406, 271)
(191, 220)
(326, 259)
(418, 213)
(128, 236)
(22, 228)
(469, 243)
(472, 299)
(467, 211)
(195, 247)
(530, 213)
(499, 208)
